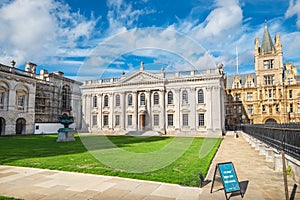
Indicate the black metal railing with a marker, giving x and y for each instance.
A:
(279, 136)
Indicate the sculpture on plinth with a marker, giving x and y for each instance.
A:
(66, 134)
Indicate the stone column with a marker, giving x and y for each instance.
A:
(209, 110)
(148, 110)
(88, 112)
(177, 103)
(162, 116)
(100, 121)
(193, 108)
(123, 110)
(135, 104)
(111, 112)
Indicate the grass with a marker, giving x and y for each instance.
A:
(164, 159)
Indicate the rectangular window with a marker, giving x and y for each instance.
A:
(200, 119)
(117, 122)
(277, 108)
(249, 84)
(129, 120)
(240, 109)
(291, 108)
(237, 97)
(170, 119)
(268, 64)
(269, 80)
(156, 120)
(270, 93)
(2, 97)
(291, 93)
(21, 99)
(94, 120)
(263, 108)
(250, 109)
(185, 119)
(249, 96)
(94, 101)
(105, 120)
(290, 81)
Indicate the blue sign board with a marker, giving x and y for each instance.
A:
(228, 175)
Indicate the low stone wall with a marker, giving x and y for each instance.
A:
(274, 156)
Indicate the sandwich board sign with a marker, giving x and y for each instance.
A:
(228, 176)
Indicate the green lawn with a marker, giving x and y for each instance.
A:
(165, 159)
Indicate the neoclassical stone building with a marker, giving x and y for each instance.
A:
(31, 102)
(179, 103)
(271, 94)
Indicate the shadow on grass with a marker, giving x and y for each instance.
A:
(40, 146)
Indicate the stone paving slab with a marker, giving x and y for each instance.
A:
(263, 181)
(38, 184)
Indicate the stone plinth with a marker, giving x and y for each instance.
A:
(65, 135)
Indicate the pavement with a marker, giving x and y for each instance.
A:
(257, 176)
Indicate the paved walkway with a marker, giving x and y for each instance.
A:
(39, 184)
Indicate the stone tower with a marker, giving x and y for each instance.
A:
(268, 59)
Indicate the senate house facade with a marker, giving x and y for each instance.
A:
(177, 103)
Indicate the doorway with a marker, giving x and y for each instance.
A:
(2, 126)
(21, 126)
(142, 121)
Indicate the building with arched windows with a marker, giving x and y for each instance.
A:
(177, 103)
(31, 103)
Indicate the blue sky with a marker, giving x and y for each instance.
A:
(97, 38)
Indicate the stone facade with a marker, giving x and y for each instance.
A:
(271, 94)
(187, 103)
(27, 97)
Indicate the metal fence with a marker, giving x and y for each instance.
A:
(279, 136)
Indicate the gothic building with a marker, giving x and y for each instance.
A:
(271, 94)
(176, 103)
(31, 102)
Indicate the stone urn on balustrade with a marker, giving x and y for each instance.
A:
(66, 134)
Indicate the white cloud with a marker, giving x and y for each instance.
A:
(294, 9)
(35, 30)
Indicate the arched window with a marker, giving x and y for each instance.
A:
(129, 99)
(95, 101)
(142, 99)
(22, 93)
(156, 98)
(105, 100)
(200, 96)
(66, 97)
(185, 99)
(170, 97)
(117, 100)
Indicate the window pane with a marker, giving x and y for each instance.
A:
(200, 96)
(156, 98)
(170, 119)
(94, 120)
(129, 119)
(185, 119)
(117, 100)
(142, 100)
(170, 97)
(185, 97)
(105, 100)
(129, 99)
(117, 120)
(105, 120)
(200, 119)
(155, 120)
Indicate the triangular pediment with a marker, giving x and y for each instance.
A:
(141, 77)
